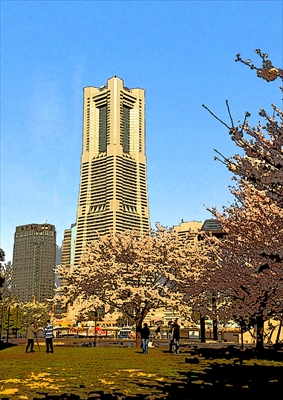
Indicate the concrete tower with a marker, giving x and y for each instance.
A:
(34, 259)
(113, 184)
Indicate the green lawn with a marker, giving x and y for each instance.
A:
(125, 373)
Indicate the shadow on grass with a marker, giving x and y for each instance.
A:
(213, 376)
(232, 352)
(216, 381)
(4, 345)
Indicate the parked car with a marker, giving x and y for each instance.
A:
(126, 333)
(231, 324)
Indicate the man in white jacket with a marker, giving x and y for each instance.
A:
(48, 337)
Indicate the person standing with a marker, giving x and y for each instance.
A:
(176, 336)
(157, 333)
(48, 330)
(170, 337)
(31, 332)
(145, 332)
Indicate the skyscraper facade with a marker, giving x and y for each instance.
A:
(68, 248)
(113, 183)
(34, 258)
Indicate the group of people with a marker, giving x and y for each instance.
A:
(31, 335)
(174, 337)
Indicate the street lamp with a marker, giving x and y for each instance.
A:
(1, 323)
(17, 316)
(8, 324)
(95, 320)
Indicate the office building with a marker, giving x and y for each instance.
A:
(34, 260)
(194, 229)
(213, 227)
(190, 229)
(113, 184)
(68, 246)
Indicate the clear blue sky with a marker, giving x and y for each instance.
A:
(181, 52)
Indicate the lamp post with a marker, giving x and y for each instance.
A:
(8, 325)
(1, 323)
(202, 328)
(95, 320)
(17, 316)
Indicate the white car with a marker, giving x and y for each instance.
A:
(126, 333)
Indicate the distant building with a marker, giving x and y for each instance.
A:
(196, 229)
(113, 184)
(68, 246)
(187, 227)
(190, 228)
(34, 260)
(213, 227)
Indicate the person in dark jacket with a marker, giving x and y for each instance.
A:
(145, 332)
(176, 336)
(31, 332)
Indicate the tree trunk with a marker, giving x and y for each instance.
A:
(214, 320)
(202, 329)
(278, 335)
(259, 332)
(138, 334)
(215, 330)
(242, 336)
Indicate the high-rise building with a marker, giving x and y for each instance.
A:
(113, 184)
(34, 259)
(68, 246)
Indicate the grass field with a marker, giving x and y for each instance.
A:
(126, 373)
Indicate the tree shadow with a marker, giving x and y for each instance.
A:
(219, 380)
(216, 381)
(4, 345)
(213, 376)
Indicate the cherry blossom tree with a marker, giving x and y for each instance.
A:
(262, 163)
(127, 272)
(196, 280)
(250, 273)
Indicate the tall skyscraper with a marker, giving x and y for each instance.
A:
(113, 184)
(34, 259)
(68, 246)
